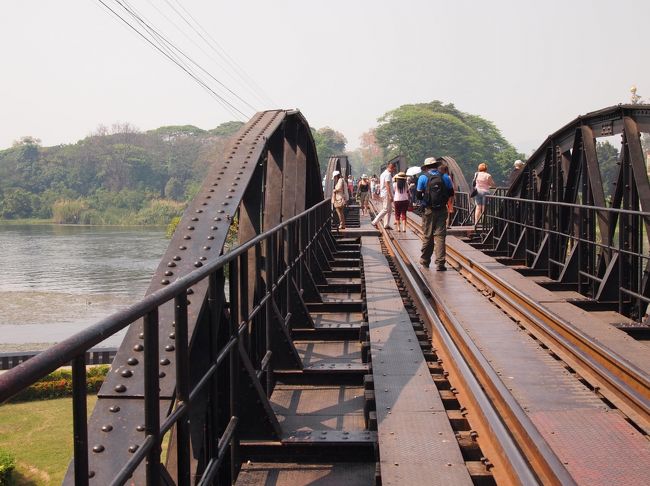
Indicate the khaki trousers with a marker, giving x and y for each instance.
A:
(434, 226)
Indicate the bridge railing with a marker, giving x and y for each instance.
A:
(601, 252)
(280, 255)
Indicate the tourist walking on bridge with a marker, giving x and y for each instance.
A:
(386, 193)
(434, 190)
(401, 199)
(339, 198)
(363, 189)
(483, 182)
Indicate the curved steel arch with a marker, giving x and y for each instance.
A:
(582, 237)
(460, 183)
(267, 174)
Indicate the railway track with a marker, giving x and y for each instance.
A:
(506, 434)
(607, 372)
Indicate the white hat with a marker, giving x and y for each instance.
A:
(335, 173)
(518, 164)
(364, 176)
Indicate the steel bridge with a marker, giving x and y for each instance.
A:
(272, 349)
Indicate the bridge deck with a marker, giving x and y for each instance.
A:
(416, 441)
(578, 426)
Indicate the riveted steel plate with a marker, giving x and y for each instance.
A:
(199, 238)
(335, 436)
(276, 474)
(328, 352)
(596, 452)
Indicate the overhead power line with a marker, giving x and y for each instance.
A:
(158, 41)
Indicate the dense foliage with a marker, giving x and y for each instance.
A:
(7, 466)
(328, 142)
(431, 129)
(59, 384)
(110, 177)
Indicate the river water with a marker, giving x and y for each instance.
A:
(56, 280)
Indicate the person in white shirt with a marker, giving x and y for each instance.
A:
(386, 187)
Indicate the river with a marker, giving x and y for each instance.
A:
(56, 280)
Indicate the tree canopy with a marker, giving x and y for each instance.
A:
(423, 130)
(328, 142)
(134, 167)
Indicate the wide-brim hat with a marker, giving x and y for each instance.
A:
(430, 163)
(400, 175)
(335, 173)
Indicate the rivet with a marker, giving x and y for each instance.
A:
(204, 204)
(91, 474)
(120, 388)
(169, 273)
(162, 374)
(140, 428)
(98, 448)
(133, 448)
(191, 228)
(213, 228)
(107, 428)
(132, 361)
(198, 264)
(210, 237)
(138, 347)
(195, 218)
(172, 335)
(114, 408)
(176, 258)
(141, 335)
(169, 347)
(171, 264)
(231, 190)
(224, 203)
(212, 190)
(220, 211)
(182, 247)
(127, 373)
(202, 258)
(164, 361)
(164, 281)
(208, 197)
(187, 237)
(199, 211)
(206, 248)
(189, 292)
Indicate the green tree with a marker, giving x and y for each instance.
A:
(16, 203)
(328, 142)
(174, 189)
(435, 129)
(608, 162)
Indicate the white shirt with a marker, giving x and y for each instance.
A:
(383, 179)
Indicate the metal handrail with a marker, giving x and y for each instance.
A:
(296, 238)
(61, 353)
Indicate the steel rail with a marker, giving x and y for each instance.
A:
(624, 384)
(523, 453)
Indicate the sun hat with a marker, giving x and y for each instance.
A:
(400, 175)
(430, 163)
(335, 173)
(364, 176)
(518, 164)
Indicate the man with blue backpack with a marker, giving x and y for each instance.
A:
(434, 190)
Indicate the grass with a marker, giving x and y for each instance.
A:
(39, 435)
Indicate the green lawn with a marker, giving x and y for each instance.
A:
(39, 435)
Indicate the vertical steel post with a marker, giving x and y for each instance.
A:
(234, 363)
(182, 390)
(80, 420)
(152, 396)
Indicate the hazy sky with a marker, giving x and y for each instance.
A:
(529, 66)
